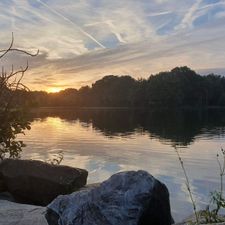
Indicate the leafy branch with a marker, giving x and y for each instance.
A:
(12, 119)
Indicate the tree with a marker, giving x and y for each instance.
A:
(12, 120)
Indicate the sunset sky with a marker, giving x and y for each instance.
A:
(80, 41)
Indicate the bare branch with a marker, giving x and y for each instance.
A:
(10, 49)
(18, 50)
(12, 81)
(7, 50)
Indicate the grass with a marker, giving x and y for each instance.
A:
(217, 202)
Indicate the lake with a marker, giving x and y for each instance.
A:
(106, 141)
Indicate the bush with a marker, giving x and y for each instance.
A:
(12, 115)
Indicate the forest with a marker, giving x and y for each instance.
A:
(180, 87)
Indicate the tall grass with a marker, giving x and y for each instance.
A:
(217, 201)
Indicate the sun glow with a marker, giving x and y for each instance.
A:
(54, 89)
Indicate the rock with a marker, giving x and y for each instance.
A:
(2, 185)
(131, 198)
(7, 196)
(36, 182)
(20, 214)
(89, 186)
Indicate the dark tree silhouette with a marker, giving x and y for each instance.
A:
(12, 120)
(180, 87)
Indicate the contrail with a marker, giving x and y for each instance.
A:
(71, 22)
(188, 17)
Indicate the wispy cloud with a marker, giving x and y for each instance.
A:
(188, 18)
(82, 40)
(73, 24)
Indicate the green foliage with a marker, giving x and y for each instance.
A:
(211, 214)
(217, 201)
(12, 123)
(12, 111)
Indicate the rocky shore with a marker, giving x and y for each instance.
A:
(38, 183)
(37, 193)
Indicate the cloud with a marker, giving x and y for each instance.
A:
(188, 19)
(72, 23)
(141, 37)
(220, 15)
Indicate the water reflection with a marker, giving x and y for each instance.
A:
(108, 141)
(179, 127)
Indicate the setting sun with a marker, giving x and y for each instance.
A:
(54, 89)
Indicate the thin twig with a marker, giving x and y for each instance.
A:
(18, 50)
(7, 50)
(188, 186)
(10, 48)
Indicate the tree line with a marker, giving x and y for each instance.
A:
(180, 87)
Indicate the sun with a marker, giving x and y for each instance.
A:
(54, 89)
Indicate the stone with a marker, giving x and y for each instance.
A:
(2, 185)
(6, 196)
(131, 198)
(21, 214)
(36, 182)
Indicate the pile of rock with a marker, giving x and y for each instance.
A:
(133, 197)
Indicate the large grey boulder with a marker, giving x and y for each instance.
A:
(19, 214)
(131, 198)
(37, 182)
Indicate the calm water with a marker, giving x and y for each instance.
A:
(108, 141)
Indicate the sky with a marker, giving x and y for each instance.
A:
(80, 41)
